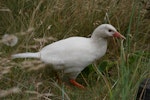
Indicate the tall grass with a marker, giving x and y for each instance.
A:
(37, 23)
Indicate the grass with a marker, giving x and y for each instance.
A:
(40, 22)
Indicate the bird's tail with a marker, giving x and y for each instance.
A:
(26, 55)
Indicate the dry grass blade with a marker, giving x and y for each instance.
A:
(46, 96)
(5, 10)
(63, 92)
(32, 65)
(14, 90)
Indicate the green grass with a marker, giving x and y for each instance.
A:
(115, 76)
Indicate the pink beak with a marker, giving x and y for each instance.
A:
(118, 35)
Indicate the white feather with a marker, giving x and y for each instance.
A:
(26, 55)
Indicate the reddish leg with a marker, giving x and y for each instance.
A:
(72, 81)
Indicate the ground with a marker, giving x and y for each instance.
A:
(37, 23)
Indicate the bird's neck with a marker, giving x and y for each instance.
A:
(98, 39)
(100, 45)
(99, 42)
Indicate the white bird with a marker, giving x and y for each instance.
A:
(73, 54)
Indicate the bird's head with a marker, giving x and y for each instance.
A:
(106, 30)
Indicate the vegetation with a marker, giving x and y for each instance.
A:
(37, 23)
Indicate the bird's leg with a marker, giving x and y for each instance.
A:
(72, 81)
(58, 78)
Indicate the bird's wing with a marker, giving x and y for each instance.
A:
(71, 51)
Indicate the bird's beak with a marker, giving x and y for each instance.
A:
(117, 34)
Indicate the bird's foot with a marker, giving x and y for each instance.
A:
(72, 81)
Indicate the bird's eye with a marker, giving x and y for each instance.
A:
(109, 30)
